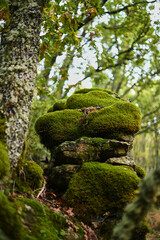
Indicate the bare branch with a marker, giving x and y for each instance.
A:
(148, 128)
(150, 113)
(130, 5)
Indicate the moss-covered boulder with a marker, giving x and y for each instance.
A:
(85, 116)
(4, 162)
(100, 187)
(57, 127)
(89, 150)
(29, 177)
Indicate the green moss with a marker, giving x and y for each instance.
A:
(100, 187)
(2, 130)
(42, 223)
(29, 177)
(27, 219)
(10, 222)
(57, 127)
(50, 109)
(140, 171)
(86, 90)
(115, 121)
(91, 98)
(33, 173)
(4, 162)
(59, 105)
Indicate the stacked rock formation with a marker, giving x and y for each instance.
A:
(90, 135)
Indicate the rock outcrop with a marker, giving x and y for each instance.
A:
(90, 135)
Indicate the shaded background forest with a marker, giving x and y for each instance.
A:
(109, 44)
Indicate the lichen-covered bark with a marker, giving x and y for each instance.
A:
(18, 58)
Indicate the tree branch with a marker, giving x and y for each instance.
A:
(126, 7)
(150, 113)
(147, 128)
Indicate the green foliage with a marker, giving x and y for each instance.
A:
(100, 187)
(122, 44)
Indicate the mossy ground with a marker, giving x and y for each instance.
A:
(100, 187)
(41, 222)
(10, 223)
(26, 219)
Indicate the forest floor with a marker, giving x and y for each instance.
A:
(153, 220)
(56, 204)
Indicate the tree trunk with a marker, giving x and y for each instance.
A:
(18, 59)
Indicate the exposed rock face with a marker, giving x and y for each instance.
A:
(90, 150)
(121, 161)
(91, 134)
(61, 176)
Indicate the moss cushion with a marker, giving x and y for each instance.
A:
(100, 187)
(57, 127)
